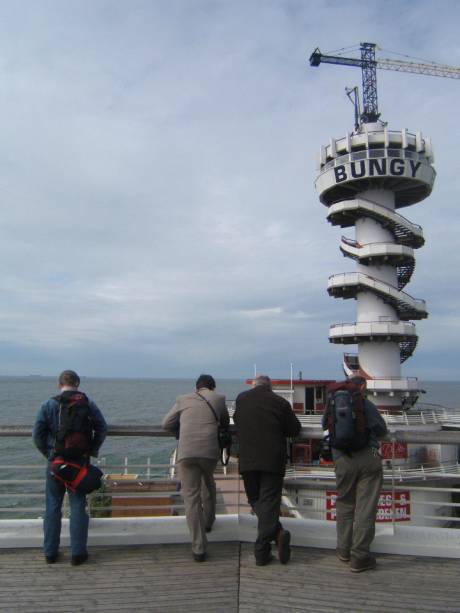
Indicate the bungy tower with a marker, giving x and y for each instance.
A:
(365, 179)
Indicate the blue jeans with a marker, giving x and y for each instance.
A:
(79, 520)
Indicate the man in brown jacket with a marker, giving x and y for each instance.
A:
(197, 455)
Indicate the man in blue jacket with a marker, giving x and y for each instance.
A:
(44, 436)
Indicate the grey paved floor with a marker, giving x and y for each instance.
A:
(158, 578)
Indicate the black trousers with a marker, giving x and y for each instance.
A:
(263, 490)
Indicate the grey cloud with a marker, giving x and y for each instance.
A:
(156, 169)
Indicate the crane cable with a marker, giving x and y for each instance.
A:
(343, 50)
(412, 57)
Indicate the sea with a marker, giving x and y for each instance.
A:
(133, 401)
(122, 401)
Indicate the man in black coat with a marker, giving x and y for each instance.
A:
(263, 421)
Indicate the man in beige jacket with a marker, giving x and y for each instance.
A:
(196, 416)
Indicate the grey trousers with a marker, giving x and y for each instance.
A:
(359, 481)
(264, 490)
(199, 492)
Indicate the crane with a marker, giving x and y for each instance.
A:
(369, 65)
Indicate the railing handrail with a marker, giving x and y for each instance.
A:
(309, 431)
(112, 430)
(309, 497)
(390, 322)
(371, 281)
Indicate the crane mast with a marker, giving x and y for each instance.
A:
(369, 70)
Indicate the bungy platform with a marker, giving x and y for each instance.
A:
(140, 557)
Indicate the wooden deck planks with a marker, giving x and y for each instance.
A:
(164, 578)
(315, 580)
(137, 579)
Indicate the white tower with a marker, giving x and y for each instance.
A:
(364, 178)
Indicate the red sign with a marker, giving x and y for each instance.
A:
(330, 505)
(401, 506)
(394, 451)
(385, 507)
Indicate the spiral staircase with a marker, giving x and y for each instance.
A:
(363, 179)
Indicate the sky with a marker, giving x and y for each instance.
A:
(157, 167)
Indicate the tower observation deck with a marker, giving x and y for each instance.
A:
(364, 179)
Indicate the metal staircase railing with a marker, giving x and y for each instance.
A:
(405, 305)
(404, 274)
(407, 348)
(407, 341)
(405, 263)
(345, 213)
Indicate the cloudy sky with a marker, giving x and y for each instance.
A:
(157, 166)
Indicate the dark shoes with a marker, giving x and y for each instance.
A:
(283, 541)
(358, 565)
(283, 544)
(343, 554)
(199, 557)
(75, 560)
(264, 561)
(79, 559)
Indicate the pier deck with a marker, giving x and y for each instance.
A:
(157, 578)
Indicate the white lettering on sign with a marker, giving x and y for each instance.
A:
(386, 506)
(376, 168)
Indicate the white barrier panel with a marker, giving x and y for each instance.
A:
(395, 539)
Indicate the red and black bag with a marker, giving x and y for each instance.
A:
(77, 476)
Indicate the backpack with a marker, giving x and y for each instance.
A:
(75, 431)
(346, 417)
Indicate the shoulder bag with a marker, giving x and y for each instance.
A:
(224, 437)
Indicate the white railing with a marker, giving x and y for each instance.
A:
(391, 473)
(377, 328)
(350, 279)
(128, 489)
(439, 415)
(140, 502)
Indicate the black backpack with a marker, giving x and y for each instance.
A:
(346, 418)
(75, 430)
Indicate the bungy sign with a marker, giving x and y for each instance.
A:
(384, 509)
(395, 167)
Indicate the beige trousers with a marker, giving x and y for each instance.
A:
(359, 481)
(199, 492)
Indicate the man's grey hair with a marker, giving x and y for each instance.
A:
(263, 380)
